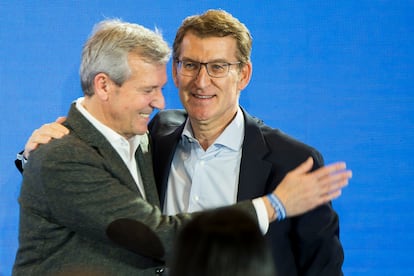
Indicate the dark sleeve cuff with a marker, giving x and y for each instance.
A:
(20, 161)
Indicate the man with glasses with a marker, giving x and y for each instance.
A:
(214, 153)
(214, 69)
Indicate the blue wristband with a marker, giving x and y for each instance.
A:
(277, 206)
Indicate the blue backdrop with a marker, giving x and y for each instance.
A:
(335, 74)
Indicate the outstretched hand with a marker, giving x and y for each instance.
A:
(44, 134)
(301, 190)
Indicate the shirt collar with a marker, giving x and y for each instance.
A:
(232, 136)
(112, 136)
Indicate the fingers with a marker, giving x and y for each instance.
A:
(28, 148)
(39, 136)
(335, 177)
(329, 169)
(54, 130)
(335, 181)
(47, 131)
(331, 196)
(44, 134)
(334, 187)
(60, 119)
(301, 190)
(331, 186)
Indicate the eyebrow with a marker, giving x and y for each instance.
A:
(213, 60)
(152, 87)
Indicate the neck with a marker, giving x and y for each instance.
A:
(97, 110)
(206, 132)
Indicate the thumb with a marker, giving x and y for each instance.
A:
(304, 167)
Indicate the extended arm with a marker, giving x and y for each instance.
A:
(300, 191)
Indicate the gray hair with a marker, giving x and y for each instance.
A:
(106, 51)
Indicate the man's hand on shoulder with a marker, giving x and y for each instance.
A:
(44, 134)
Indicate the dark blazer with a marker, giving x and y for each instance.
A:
(72, 189)
(303, 245)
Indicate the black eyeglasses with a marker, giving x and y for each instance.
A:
(214, 69)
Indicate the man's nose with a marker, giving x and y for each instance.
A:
(202, 78)
(158, 101)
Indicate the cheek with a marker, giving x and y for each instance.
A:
(125, 108)
(182, 95)
(125, 105)
(181, 82)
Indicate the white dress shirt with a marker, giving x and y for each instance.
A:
(207, 179)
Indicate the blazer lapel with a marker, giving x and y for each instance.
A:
(144, 161)
(254, 169)
(167, 145)
(88, 133)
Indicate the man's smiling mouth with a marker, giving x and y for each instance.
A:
(202, 96)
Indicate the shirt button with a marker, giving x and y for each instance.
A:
(184, 156)
(196, 198)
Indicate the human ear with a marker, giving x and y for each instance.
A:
(103, 85)
(245, 75)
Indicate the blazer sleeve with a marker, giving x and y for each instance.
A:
(319, 249)
(311, 239)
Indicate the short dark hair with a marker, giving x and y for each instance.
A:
(221, 242)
